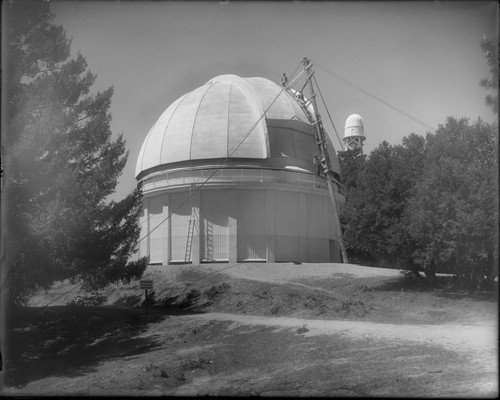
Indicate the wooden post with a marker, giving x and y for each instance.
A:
(146, 284)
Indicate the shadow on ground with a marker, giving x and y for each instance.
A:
(444, 286)
(71, 341)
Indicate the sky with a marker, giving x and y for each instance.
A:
(423, 58)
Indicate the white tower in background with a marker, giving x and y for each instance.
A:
(354, 132)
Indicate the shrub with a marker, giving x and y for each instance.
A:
(216, 290)
(190, 298)
(90, 300)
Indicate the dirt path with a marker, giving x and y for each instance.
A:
(473, 338)
(226, 354)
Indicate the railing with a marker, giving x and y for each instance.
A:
(233, 175)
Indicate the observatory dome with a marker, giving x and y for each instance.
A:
(228, 174)
(354, 126)
(236, 118)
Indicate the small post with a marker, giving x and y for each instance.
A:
(146, 284)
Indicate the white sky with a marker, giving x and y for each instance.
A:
(422, 57)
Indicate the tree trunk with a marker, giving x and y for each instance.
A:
(430, 274)
(416, 273)
(474, 279)
(414, 269)
(459, 271)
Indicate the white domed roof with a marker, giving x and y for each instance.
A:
(354, 120)
(212, 120)
(354, 126)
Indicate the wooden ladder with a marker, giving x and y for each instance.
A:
(189, 242)
(209, 241)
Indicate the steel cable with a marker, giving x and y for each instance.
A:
(420, 122)
(328, 112)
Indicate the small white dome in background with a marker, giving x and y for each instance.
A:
(354, 126)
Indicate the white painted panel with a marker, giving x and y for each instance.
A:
(317, 250)
(180, 224)
(156, 228)
(335, 255)
(287, 226)
(150, 155)
(177, 136)
(316, 222)
(277, 107)
(211, 124)
(247, 131)
(215, 225)
(251, 225)
(317, 229)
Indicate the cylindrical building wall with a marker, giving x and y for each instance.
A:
(268, 223)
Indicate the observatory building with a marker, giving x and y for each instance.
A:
(354, 132)
(228, 175)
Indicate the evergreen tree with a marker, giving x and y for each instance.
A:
(351, 164)
(490, 48)
(453, 212)
(61, 163)
(377, 191)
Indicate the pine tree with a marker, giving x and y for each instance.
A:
(61, 164)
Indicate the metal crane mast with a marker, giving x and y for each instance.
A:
(325, 158)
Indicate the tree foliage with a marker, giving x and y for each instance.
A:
(375, 203)
(351, 163)
(61, 163)
(452, 214)
(490, 49)
(429, 204)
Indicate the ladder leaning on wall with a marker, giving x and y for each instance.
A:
(192, 222)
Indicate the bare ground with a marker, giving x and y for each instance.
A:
(260, 329)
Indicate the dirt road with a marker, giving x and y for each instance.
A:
(230, 354)
(423, 359)
(471, 338)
